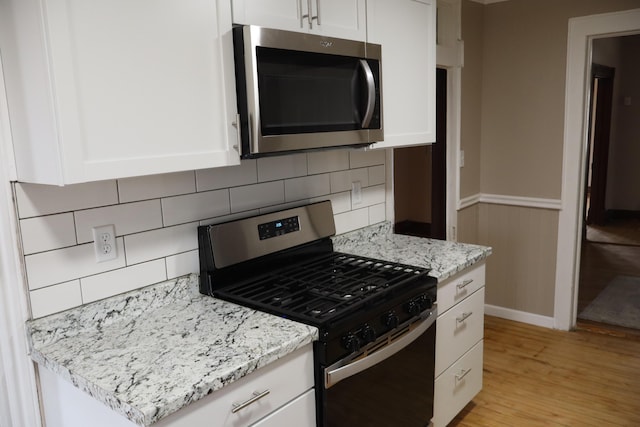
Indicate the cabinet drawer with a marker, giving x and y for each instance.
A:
(459, 329)
(457, 386)
(300, 413)
(454, 289)
(285, 379)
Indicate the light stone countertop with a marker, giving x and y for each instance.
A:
(150, 352)
(153, 351)
(444, 258)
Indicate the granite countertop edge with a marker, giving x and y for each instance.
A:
(80, 343)
(443, 258)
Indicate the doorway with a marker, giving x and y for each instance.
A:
(420, 183)
(582, 31)
(609, 273)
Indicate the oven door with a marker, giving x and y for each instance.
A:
(391, 384)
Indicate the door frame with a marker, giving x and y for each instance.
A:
(601, 90)
(582, 31)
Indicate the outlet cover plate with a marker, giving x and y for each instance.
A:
(104, 243)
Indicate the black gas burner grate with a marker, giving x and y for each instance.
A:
(323, 287)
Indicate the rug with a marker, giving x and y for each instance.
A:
(617, 304)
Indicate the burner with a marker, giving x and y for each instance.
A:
(324, 287)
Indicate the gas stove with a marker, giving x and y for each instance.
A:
(283, 263)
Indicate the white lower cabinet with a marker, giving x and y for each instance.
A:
(285, 387)
(459, 343)
(456, 386)
(299, 413)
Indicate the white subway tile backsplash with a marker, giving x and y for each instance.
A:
(156, 186)
(194, 207)
(283, 206)
(38, 200)
(377, 175)
(127, 218)
(340, 202)
(363, 158)
(47, 232)
(62, 265)
(225, 218)
(54, 299)
(328, 161)
(156, 219)
(230, 176)
(181, 264)
(122, 280)
(306, 187)
(256, 196)
(377, 213)
(372, 196)
(281, 167)
(341, 181)
(351, 220)
(161, 243)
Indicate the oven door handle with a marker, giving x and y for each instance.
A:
(338, 371)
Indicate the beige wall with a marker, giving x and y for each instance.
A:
(471, 102)
(468, 224)
(521, 271)
(519, 75)
(524, 65)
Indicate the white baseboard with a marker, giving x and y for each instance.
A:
(500, 199)
(519, 316)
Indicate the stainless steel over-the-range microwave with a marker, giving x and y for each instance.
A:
(301, 92)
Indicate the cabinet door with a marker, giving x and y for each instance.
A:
(278, 14)
(334, 18)
(346, 19)
(138, 87)
(406, 30)
(301, 412)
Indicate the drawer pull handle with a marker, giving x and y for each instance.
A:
(462, 374)
(464, 317)
(464, 284)
(256, 396)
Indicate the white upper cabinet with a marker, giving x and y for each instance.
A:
(335, 18)
(102, 89)
(406, 29)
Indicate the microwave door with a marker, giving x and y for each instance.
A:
(304, 100)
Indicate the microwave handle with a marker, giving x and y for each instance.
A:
(371, 93)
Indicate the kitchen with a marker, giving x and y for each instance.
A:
(268, 182)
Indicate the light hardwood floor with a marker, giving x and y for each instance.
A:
(536, 376)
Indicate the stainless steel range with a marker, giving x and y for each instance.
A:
(374, 361)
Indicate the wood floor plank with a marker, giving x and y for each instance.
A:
(536, 376)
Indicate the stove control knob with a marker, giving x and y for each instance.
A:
(425, 302)
(368, 334)
(351, 342)
(413, 308)
(390, 320)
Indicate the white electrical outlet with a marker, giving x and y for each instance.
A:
(356, 193)
(104, 242)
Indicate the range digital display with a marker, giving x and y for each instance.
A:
(278, 227)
